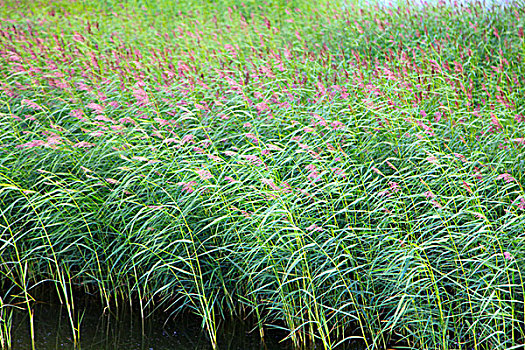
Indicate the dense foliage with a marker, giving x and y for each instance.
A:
(338, 171)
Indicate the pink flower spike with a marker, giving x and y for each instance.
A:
(394, 186)
(31, 104)
(337, 125)
(377, 171)
(32, 144)
(432, 160)
(230, 179)
(339, 171)
(84, 144)
(429, 194)
(187, 186)
(187, 139)
(126, 120)
(383, 193)
(252, 137)
(77, 113)
(204, 174)
(521, 204)
(270, 183)
(314, 228)
(104, 119)
(96, 107)
(507, 177)
(507, 255)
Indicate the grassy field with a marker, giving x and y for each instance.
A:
(337, 171)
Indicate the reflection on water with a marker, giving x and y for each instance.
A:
(125, 331)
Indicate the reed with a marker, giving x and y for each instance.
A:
(340, 171)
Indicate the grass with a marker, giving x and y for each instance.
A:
(338, 171)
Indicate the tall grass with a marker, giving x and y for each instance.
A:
(340, 172)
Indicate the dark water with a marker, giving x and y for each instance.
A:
(125, 332)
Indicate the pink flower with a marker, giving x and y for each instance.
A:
(230, 179)
(252, 159)
(521, 204)
(495, 122)
(77, 113)
(126, 120)
(320, 120)
(170, 140)
(286, 188)
(112, 181)
(303, 146)
(261, 107)
(314, 174)
(520, 141)
(31, 104)
(377, 171)
(141, 95)
(187, 139)
(247, 125)
(104, 118)
(432, 160)
(339, 171)
(270, 183)
(96, 107)
(337, 125)
(119, 127)
(139, 158)
(507, 255)
(394, 186)
(384, 193)
(436, 204)
(162, 122)
(314, 228)
(429, 194)
(187, 186)
(204, 174)
(32, 144)
(252, 137)
(84, 144)
(467, 187)
(507, 177)
(461, 157)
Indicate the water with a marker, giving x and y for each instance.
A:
(125, 332)
(485, 3)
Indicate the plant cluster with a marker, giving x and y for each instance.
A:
(338, 171)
